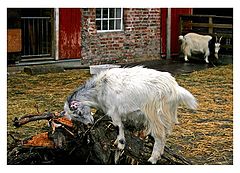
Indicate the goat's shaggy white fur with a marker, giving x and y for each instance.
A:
(124, 92)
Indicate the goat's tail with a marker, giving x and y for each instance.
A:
(187, 98)
(181, 38)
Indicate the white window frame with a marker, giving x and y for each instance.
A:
(108, 19)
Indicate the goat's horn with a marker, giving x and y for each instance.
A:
(220, 39)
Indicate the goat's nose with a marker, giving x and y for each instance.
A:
(91, 120)
(62, 113)
(91, 123)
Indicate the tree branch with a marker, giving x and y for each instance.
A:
(18, 122)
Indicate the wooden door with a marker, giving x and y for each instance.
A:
(175, 30)
(175, 12)
(70, 33)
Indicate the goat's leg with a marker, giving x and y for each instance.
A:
(174, 113)
(120, 141)
(206, 59)
(206, 56)
(186, 53)
(158, 149)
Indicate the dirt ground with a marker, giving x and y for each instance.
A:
(204, 136)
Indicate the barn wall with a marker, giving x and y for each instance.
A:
(140, 39)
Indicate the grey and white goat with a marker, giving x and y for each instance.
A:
(135, 92)
(196, 43)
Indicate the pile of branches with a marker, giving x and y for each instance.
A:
(67, 142)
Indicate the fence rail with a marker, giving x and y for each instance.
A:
(36, 34)
(209, 24)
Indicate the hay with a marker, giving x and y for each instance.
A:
(203, 136)
(32, 94)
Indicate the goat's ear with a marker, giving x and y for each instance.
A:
(73, 104)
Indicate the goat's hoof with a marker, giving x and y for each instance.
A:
(120, 143)
(152, 160)
(117, 156)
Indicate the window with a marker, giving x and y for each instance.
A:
(228, 41)
(109, 19)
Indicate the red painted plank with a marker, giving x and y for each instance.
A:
(175, 24)
(70, 33)
(175, 12)
(163, 31)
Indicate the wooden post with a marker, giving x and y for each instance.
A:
(168, 33)
(210, 25)
(56, 35)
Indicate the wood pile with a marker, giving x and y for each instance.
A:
(68, 142)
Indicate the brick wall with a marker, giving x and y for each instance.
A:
(140, 39)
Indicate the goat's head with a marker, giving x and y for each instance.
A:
(217, 46)
(76, 110)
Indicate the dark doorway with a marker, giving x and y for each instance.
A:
(37, 29)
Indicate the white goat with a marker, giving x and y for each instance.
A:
(124, 92)
(196, 43)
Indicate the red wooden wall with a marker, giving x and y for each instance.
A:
(175, 12)
(163, 31)
(69, 33)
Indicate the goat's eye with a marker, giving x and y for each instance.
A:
(73, 105)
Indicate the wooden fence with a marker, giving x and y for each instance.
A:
(210, 24)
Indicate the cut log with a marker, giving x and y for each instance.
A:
(35, 70)
(69, 142)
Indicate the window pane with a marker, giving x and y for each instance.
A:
(118, 12)
(105, 25)
(105, 13)
(111, 24)
(98, 24)
(98, 13)
(118, 24)
(111, 12)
